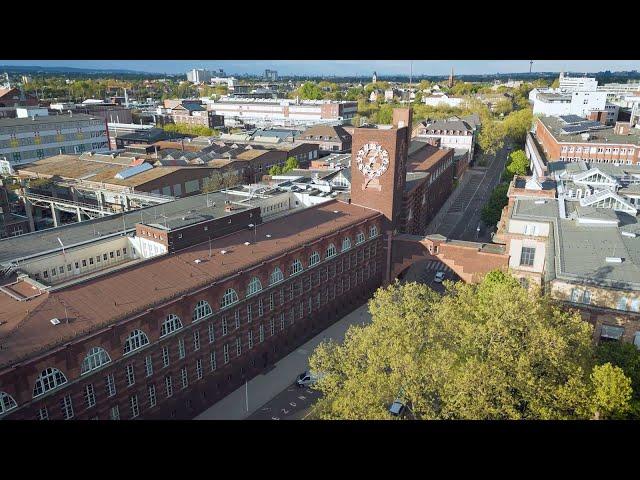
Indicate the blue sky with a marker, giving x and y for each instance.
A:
(345, 67)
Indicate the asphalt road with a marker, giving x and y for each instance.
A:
(462, 218)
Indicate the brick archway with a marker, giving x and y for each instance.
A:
(469, 260)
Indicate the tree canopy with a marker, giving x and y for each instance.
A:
(518, 165)
(489, 350)
(492, 211)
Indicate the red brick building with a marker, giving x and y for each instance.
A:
(571, 142)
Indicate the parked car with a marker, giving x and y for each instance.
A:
(307, 378)
(439, 277)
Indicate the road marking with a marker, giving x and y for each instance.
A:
(302, 351)
(293, 404)
(302, 397)
(275, 418)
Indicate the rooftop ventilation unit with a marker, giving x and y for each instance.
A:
(540, 202)
(613, 260)
(54, 321)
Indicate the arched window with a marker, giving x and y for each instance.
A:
(201, 310)
(170, 325)
(96, 358)
(254, 286)
(296, 267)
(229, 298)
(6, 403)
(314, 259)
(346, 244)
(359, 238)
(276, 276)
(331, 250)
(136, 339)
(48, 380)
(373, 231)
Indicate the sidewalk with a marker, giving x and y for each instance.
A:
(444, 210)
(265, 387)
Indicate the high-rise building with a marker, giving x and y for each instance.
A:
(271, 75)
(199, 75)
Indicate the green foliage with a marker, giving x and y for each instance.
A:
(290, 164)
(213, 183)
(275, 170)
(184, 128)
(517, 124)
(497, 201)
(483, 351)
(627, 357)
(518, 165)
(491, 136)
(504, 106)
(612, 391)
(310, 91)
(556, 83)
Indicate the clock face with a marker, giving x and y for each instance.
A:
(372, 160)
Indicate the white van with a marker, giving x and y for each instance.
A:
(307, 378)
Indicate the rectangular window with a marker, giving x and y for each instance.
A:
(249, 313)
(183, 375)
(196, 340)
(91, 261)
(261, 333)
(152, 395)
(292, 291)
(282, 321)
(181, 350)
(104, 257)
(281, 296)
(238, 346)
(301, 310)
(272, 326)
(225, 352)
(114, 414)
(250, 339)
(111, 385)
(198, 369)
(260, 308)
(131, 378)
(124, 250)
(89, 395)
(224, 326)
(165, 356)
(212, 360)
(133, 401)
(43, 414)
(67, 407)
(271, 301)
(148, 365)
(237, 318)
(212, 335)
(169, 386)
(622, 303)
(527, 255)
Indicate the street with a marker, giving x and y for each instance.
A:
(275, 389)
(460, 217)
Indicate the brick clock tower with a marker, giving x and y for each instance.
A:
(378, 166)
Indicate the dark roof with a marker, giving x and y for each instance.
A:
(335, 133)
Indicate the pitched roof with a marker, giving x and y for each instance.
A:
(335, 133)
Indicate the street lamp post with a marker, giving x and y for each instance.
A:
(255, 228)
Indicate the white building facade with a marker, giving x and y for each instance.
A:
(24, 140)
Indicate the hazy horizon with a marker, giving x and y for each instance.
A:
(342, 67)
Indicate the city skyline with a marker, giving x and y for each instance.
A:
(342, 67)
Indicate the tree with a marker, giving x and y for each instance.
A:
(611, 391)
(290, 164)
(504, 106)
(489, 350)
(231, 179)
(518, 165)
(275, 170)
(627, 357)
(213, 183)
(517, 124)
(491, 136)
(384, 115)
(309, 91)
(492, 211)
(556, 83)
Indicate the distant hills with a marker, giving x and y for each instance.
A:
(32, 69)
